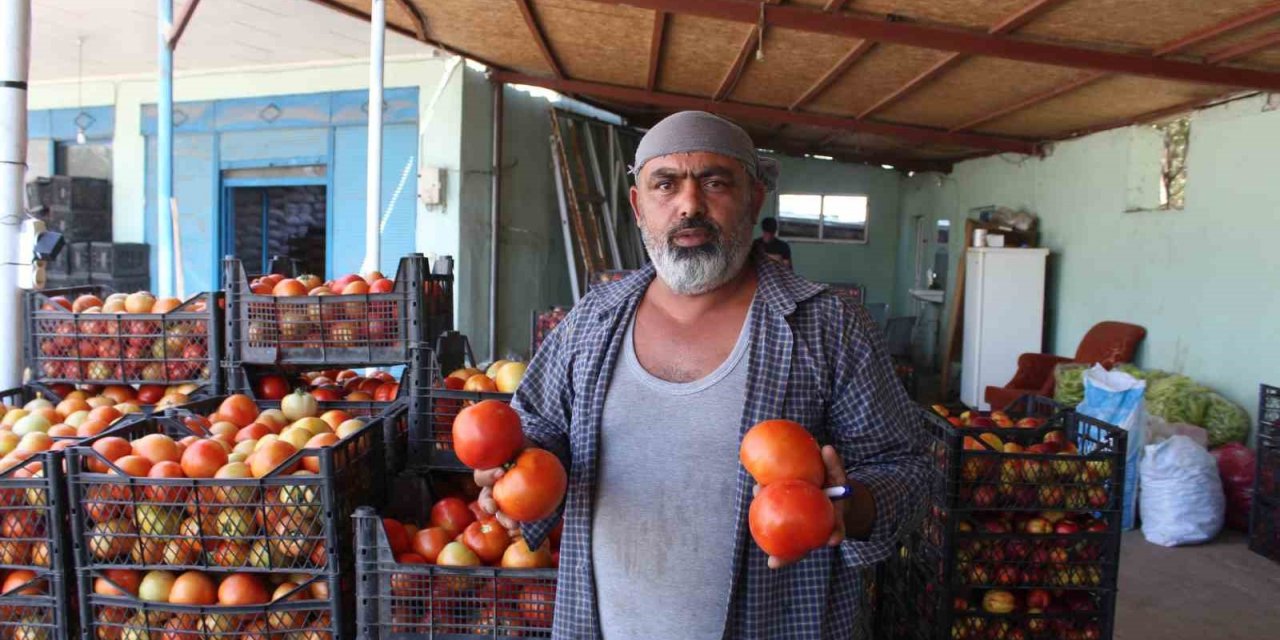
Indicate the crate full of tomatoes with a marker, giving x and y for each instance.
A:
(435, 401)
(344, 392)
(1264, 516)
(1021, 534)
(455, 572)
(222, 485)
(90, 335)
(35, 543)
(352, 320)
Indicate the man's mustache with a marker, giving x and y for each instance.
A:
(690, 224)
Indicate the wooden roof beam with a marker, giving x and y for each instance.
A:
(731, 77)
(920, 135)
(1007, 24)
(821, 84)
(419, 22)
(540, 38)
(655, 48)
(968, 42)
(1196, 38)
(180, 26)
(835, 5)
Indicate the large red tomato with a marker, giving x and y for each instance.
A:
(386, 392)
(272, 387)
(428, 542)
(488, 539)
(487, 434)
(777, 450)
(397, 535)
(533, 487)
(790, 518)
(238, 409)
(452, 515)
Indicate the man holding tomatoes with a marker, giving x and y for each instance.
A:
(645, 390)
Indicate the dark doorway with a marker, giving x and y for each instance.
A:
(268, 221)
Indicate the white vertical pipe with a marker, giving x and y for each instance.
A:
(373, 186)
(15, 49)
(164, 152)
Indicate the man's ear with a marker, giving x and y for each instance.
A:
(634, 196)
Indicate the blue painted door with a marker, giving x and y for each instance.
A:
(399, 196)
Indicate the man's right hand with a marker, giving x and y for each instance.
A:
(486, 478)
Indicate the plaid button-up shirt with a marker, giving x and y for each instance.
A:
(814, 358)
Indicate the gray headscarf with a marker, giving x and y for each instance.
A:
(692, 131)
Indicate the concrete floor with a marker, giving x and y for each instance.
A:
(1218, 591)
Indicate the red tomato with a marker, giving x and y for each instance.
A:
(487, 434)
(533, 487)
(488, 539)
(386, 392)
(272, 387)
(452, 515)
(397, 537)
(239, 410)
(790, 518)
(777, 450)
(428, 542)
(326, 394)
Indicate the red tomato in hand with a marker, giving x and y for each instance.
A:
(487, 434)
(777, 450)
(533, 487)
(487, 538)
(790, 518)
(272, 387)
(452, 515)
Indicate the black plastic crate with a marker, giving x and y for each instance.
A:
(1269, 412)
(183, 345)
(424, 601)
(124, 283)
(432, 408)
(243, 379)
(110, 260)
(1264, 528)
(79, 225)
(315, 608)
(79, 260)
(543, 323)
(284, 522)
(34, 539)
(346, 330)
(1037, 531)
(65, 192)
(65, 281)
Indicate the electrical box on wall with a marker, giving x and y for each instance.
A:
(431, 186)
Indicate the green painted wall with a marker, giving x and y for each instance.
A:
(1203, 281)
(871, 264)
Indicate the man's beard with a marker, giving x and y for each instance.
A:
(691, 271)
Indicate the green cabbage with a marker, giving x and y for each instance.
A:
(1150, 375)
(1225, 421)
(1068, 385)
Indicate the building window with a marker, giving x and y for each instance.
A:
(1173, 164)
(89, 160)
(824, 218)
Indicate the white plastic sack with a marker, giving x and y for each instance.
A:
(1182, 500)
(1158, 430)
(1117, 398)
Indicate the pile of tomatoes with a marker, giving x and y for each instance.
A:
(331, 386)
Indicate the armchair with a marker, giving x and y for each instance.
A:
(1107, 343)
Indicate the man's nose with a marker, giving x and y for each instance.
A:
(691, 201)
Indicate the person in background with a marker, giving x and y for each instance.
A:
(769, 244)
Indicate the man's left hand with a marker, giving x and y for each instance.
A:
(835, 478)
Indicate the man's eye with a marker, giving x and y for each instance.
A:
(665, 185)
(716, 184)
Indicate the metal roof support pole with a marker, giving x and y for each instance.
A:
(495, 217)
(164, 153)
(373, 184)
(15, 50)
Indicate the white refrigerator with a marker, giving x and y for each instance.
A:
(1003, 316)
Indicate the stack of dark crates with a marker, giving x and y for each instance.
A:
(1264, 518)
(80, 209)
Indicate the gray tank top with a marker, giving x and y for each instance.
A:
(663, 528)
